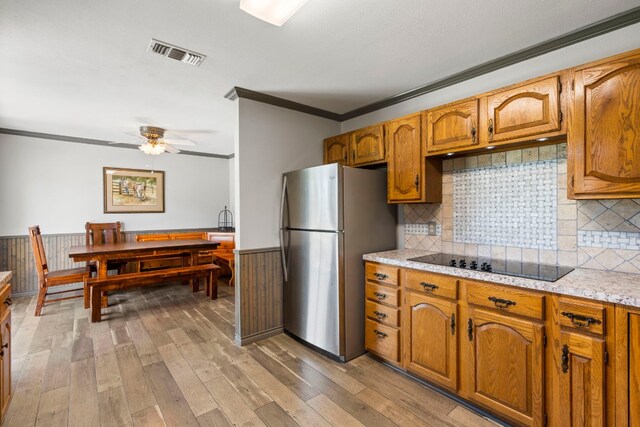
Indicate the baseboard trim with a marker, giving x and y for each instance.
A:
(242, 341)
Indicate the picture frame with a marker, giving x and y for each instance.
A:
(133, 190)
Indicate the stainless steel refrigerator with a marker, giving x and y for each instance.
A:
(330, 216)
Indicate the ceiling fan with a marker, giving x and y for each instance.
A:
(155, 143)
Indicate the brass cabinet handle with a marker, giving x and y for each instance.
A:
(417, 182)
(429, 287)
(565, 358)
(490, 129)
(380, 334)
(580, 320)
(473, 133)
(380, 276)
(5, 345)
(502, 303)
(380, 295)
(380, 315)
(470, 329)
(8, 301)
(453, 324)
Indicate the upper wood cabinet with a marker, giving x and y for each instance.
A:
(430, 339)
(367, 146)
(604, 130)
(451, 127)
(506, 365)
(410, 178)
(336, 149)
(526, 111)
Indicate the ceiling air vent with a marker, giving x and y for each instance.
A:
(175, 52)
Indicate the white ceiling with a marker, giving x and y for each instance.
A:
(80, 68)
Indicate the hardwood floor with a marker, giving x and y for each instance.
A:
(166, 356)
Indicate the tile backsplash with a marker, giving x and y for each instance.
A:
(513, 205)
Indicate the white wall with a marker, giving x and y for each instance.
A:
(609, 44)
(58, 185)
(270, 141)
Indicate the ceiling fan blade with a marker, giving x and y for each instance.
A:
(125, 142)
(192, 131)
(184, 142)
(171, 149)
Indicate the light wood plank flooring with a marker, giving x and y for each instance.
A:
(165, 356)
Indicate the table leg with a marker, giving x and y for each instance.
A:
(185, 262)
(102, 273)
(96, 314)
(195, 283)
(213, 283)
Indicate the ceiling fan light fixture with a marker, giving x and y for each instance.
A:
(275, 12)
(153, 148)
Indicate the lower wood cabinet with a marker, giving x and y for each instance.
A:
(430, 339)
(506, 365)
(382, 312)
(5, 362)
(627, 383)
(582, 380)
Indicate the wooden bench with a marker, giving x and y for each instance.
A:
(154, 277)
(169, 262)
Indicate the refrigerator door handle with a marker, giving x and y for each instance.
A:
(282, 250)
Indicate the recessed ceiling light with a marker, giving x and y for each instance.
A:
(541, 139)
(275, 12)
(491, 147)
(449, 154)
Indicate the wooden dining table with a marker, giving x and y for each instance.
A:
(188, 250)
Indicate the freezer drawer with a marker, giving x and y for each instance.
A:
(313, 292)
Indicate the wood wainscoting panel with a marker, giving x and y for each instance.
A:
(259, 294)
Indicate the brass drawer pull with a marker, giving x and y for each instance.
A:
(8, 301)
(453, 324)
(565, 358)
(380, 295)
(380, 315)
(380, 334)
(502, 303)
(6, 345)
(380, 276)
(470, 329)
(429, 287)
(581, 321)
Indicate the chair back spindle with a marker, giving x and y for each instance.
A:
(102, 233)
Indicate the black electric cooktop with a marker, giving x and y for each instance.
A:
(548, 273)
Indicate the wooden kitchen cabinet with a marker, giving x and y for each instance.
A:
(5, 344)
(582, 380)
(627, 381)
(410, 177)
(336, 149)
(604, 131)
(506, 365)
(451, 127)
(430, 339)
(368, 146)
(527, 111)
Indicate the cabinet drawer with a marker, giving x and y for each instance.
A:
(504, 299)
(431, 284)
(582, 315)
(382, 340)
(5, 300)
(383, 294)
(382, 274)
(382, 313)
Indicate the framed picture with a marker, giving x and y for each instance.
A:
(133, 190)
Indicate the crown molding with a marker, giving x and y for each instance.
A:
(615, 22)
(100, 142)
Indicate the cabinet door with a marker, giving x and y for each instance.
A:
(604, 132)
(506, 365)
(582, 380)
(336, 149)
(406, 163)
(429, 337)
(627, 367)
(453, 126)
(529, 110)
(367, 145)
(5, 361)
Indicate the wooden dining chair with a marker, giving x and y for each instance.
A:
(97, 233)
(47, 279)
(224, 257)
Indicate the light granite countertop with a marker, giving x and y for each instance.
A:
(5, 276)
(608, 286)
